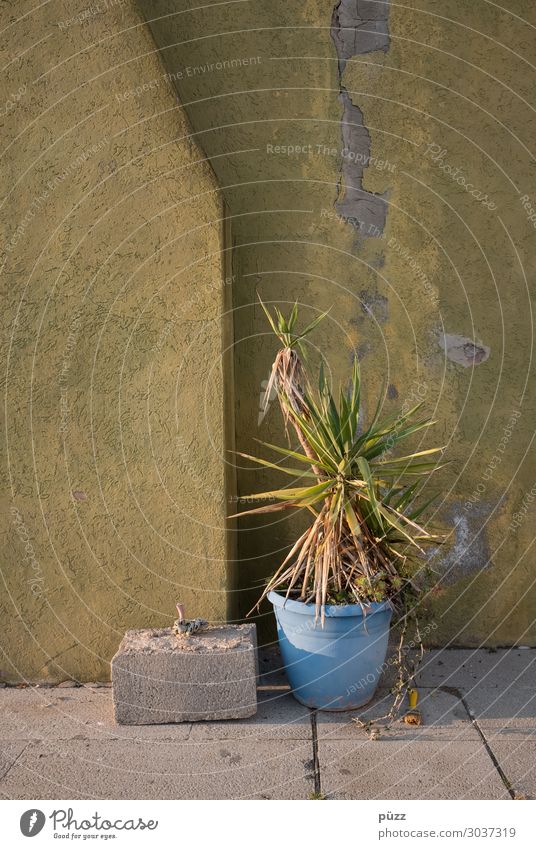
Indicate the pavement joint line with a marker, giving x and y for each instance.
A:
(17, 759)
(502, 775)
(316, 761)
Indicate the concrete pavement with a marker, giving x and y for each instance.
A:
(477, 741)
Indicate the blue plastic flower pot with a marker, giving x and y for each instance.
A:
(338, 666)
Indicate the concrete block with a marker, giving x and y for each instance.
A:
(158, 677)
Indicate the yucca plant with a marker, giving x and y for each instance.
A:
(364, 537)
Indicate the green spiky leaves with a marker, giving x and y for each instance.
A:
(363, 500)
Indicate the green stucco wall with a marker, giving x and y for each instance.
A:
(114, 300)
(378, 166)
(419, 127)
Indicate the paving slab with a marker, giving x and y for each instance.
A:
(55, 713)
(130, 769)
(388, 769)
(9, 752)
(279, 716)
(444, 718)
(499, 689)
(467, 668)
(507, 712)
(63, 742)
(85, 713)
(517, 759)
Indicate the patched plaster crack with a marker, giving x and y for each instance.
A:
(464, 351)
(358, 27)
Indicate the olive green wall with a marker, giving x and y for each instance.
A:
(379, 166)
(374, 159)
(114, 297)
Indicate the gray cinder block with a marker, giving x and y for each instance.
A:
(158, 677)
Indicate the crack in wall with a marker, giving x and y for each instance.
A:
(358, 27)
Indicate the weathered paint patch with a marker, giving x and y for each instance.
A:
(358, 27)
(374, 305)
(469, 552)
(366, 211)
(464, 351)
(361, 351)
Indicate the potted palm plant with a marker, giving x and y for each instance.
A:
(357, 560)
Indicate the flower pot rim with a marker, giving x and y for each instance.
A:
(330, 610)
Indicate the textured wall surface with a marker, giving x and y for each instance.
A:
(377, 159)
(114, 294)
